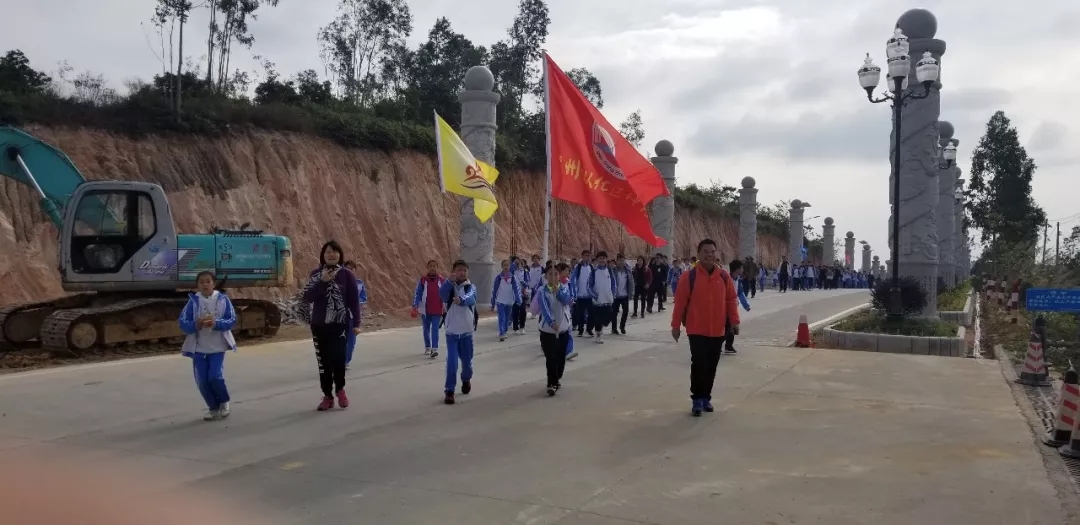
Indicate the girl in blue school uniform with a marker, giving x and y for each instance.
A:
(207, 319)
(505, 294)
(361, 289)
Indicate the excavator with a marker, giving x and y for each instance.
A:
(122, 262)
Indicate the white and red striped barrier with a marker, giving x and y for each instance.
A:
(1034, 372)
(1065, 416)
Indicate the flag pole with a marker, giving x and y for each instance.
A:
(547, 139)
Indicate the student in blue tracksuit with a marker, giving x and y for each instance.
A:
(580, 276)
(521, 275)
(554, 298)
(735, 269)
(361, 289)
(602, 293)
(674, 273)
(459, 295)
(564, 277)
(505, 295)
(428, 307)
(207, 319)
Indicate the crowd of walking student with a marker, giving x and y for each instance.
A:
(588, 297)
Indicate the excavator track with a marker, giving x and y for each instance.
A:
(139, 321)
(20, 324)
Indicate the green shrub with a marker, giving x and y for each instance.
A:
(954, 299)
(872, 322)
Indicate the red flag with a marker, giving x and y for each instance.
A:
(592, 164)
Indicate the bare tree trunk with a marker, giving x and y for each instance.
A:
(179, 67)
(210, 43)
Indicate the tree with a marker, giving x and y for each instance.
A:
(174, 12)
(588, 84)
(515, 62)
(633, 129)
(16, 75)
(434, 73)
(311, 90)
(233, 27)
(92, 89)
(274, 90)
(999, 188)
(356, 42)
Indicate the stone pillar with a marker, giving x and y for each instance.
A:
(960, 260)
(875, 267)
(748, 219)
(795, 231)
(865, 266)
(662, 209)
(849, 251)
(828, 239)
(944, 215)
(478, 103)
(918, 171)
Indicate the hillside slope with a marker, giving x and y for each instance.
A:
(385, 209)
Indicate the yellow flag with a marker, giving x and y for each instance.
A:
(461, 174)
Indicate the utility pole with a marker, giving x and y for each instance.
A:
(1057, 245)
(1046, 229)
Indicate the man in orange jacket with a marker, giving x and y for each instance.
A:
(705, 301)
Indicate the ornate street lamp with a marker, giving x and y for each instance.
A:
(926, 71)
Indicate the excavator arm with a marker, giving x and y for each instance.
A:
(44, 168)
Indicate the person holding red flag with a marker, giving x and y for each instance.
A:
(591, 164)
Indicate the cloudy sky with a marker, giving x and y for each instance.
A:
(741, 87)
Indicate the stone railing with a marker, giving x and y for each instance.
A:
(963, 318)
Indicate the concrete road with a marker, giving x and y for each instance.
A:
(799, 436)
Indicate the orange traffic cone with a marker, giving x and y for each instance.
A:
(802, 336)
(1065, 417)
(1034, 372)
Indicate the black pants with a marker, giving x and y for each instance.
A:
(599, 317)
(729, 336)
(517, 317)
(651, 299)
(580, 314)
(751, 284)
(661, 296)
(783, 282)
(330, 342)
(622, 304)
(704, 356)
(554, 347)
(642, 297)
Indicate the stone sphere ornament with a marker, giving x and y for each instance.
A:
(850, 235)
(748, 182)
(828, 221)
(796, 204)
(664, 148)
(945, 131)
(479, 78)
(918, 23)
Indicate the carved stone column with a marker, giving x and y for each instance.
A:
(795, 230)
(960, 253)
(918, 171)
(875, 267)
(662, 209)
(748, 219)
(478, 106)
(849, 251)
(946, 208)
(865, 266)
(828, 239)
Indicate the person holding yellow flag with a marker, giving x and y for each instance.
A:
(461, 174)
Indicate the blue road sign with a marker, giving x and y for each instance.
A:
(1053, 300)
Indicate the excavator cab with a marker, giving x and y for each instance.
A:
(118, 236)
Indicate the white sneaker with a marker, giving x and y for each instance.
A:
(427, 351)
(599, 338)
(502, 338)
(571, 356)
(210, 415)
(224, 410)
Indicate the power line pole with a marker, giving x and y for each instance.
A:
(1057, 245)
(1046, 230)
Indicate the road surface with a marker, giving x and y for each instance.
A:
(799, 436)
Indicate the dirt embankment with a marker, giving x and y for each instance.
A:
(385, 209)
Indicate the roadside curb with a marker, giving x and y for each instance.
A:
(1055, 466)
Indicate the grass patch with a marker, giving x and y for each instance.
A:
(1061, 349)
(953, 300)
(875, 323)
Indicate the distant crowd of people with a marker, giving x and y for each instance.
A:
(588, 296)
